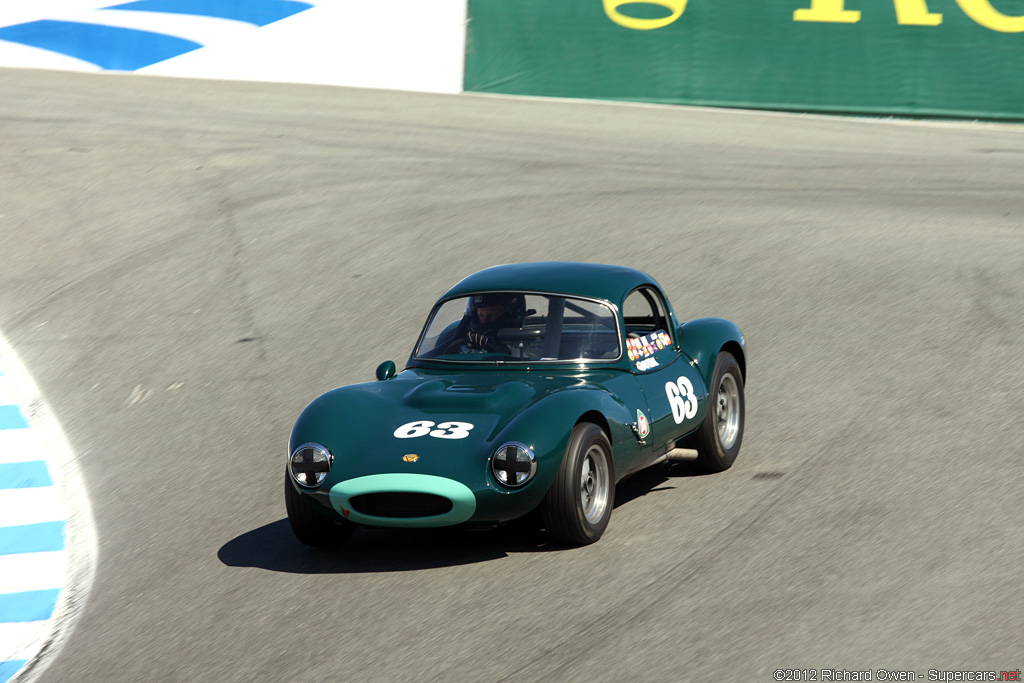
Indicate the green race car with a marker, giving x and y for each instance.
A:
(532, 387)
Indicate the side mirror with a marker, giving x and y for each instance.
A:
(386, 370)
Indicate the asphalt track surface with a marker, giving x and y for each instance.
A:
(186, 264)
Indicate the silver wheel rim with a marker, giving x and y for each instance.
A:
(727, 411)
(594, 484)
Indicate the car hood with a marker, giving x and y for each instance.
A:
(466, 394)
(422, 412)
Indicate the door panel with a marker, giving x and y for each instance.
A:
(675, 393)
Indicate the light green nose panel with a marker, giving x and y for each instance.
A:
(462, 498)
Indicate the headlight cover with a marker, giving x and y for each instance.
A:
(309, 465)
(513, 464)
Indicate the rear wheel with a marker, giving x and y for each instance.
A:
(578, 506)
(309, 526)
(720, 436)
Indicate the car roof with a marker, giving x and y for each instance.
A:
(593, 280)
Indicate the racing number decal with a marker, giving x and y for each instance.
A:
(413, 429)
(452, 430)
(445, 430)
(682, 399)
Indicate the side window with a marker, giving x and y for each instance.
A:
(648, 338)
(643, 313)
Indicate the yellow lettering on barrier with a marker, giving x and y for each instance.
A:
(832, 11)
(911, 12)
(915, 13)
(908, 13)
(676, 7)
(983, 13)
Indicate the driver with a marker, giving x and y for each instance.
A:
(488, 313)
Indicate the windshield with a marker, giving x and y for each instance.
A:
(519, 327)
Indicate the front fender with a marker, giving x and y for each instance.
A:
(704, 338)
(545, 426)
(550, 420)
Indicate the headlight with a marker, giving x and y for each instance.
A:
(513, 464)
(309, 464)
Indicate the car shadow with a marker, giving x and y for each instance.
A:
(653, 480)
(274, 548)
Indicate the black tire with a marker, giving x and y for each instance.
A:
(720, 436)
(311, 527)
(579, 504)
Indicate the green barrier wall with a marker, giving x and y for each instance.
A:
(956, 58)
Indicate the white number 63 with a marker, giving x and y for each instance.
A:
(682, 399)
(445, 430)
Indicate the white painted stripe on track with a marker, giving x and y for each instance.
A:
(24, 12)
(21, 638)
(25, 640)
(19, 445)
(15, 53)
(31, 506)
(7, 396)
(31, 572)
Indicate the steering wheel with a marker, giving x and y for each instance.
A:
(492, 345)
(454, 344)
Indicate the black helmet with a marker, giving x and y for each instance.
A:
(514, 312)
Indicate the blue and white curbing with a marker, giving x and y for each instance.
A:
(134, 35)
(47, 542)
(397, 45)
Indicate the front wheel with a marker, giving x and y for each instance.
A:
(720, 436)
(578, 506)
(309, 526)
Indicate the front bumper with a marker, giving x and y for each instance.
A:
(347, 497)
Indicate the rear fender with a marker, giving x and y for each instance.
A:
(704, 338)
